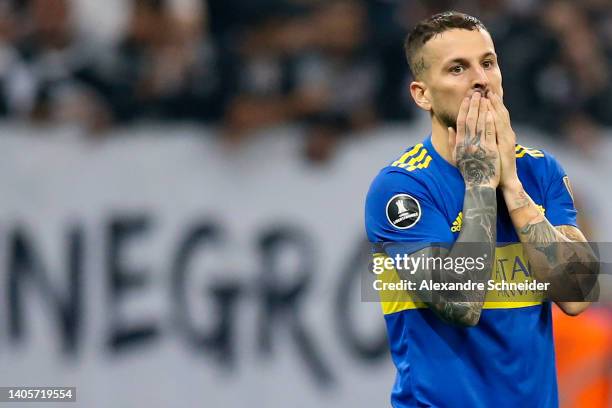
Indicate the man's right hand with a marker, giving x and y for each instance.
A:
(474, 146)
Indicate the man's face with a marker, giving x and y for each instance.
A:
(459, 62)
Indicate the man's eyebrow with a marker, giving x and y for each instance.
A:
(462, 60)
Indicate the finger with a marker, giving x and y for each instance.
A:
(498, 111)
(472, 117)
(452, 143)
(490, 133)
(461, 118)
(498, 104)
(482, 116)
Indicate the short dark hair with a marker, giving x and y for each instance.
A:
(426, 29)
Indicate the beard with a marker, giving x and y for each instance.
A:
(446, 119)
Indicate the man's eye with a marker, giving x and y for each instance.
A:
(457, 69)
(487, 64)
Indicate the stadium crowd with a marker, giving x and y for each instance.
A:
(335, 66)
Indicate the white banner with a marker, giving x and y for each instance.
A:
(157, 268)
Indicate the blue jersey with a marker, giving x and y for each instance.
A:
(507, 359)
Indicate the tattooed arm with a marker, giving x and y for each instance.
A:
(477, 239)
(474, 151)
(560, 256)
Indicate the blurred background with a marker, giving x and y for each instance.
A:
(182, 186)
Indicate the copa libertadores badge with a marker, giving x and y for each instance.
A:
(403, 211)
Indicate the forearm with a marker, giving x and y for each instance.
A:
(474, 151)
(477, 240)
(568, 264)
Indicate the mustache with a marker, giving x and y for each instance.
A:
(483, 92)
(448, 119)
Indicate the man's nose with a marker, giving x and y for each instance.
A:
(480, 80)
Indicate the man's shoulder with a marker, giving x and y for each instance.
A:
(533, 156)
(412, 165)
(527, 153)
(537, 161)
(413, 160)
(408, 170)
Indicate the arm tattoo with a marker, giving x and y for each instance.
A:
(564, 260)
(480, 207)
(543, 237)
(521, 200)
(477, 239)
(480, 230)
(454, 312)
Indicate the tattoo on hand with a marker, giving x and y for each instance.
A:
(476, 166)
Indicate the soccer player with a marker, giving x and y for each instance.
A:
(469, 185)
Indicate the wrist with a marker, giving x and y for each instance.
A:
(489, 182)
(490, 186)
(515, 196)
(512, 186)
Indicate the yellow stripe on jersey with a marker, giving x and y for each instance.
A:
(414, 159)
(510, 266)
(422, 165)
(522, 151)
(406, 155)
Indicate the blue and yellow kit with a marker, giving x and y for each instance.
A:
(507, 359)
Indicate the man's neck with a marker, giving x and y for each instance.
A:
(439, 139)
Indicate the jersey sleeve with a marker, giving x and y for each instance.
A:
(400, 208)
(559, 202)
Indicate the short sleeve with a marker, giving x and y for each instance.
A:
(400, 208)
(559, 202)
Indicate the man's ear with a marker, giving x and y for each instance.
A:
(419, 93)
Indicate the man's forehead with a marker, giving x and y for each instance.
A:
(457, 44)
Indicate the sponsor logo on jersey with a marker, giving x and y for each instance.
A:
(456, 227)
